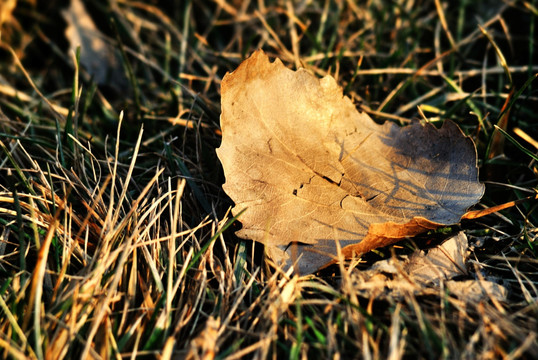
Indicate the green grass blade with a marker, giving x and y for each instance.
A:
(213, 238)
(517, 144)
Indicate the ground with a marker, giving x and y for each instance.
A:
(116, 238)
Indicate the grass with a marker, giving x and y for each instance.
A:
(116, 239)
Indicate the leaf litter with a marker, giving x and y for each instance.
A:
(100, 59)
(319, 178)
(425, 272)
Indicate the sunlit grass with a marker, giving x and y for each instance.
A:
(116, 239)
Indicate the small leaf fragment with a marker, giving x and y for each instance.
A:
(444, 262)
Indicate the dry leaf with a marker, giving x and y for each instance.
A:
(443, 262)
(99, 58)
(423, 272)
(314, 172)
(477, 290)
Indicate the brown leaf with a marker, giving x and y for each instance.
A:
(100, 59)
(443, 262)
(473, 291)
(427, 272)
(313, 171)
